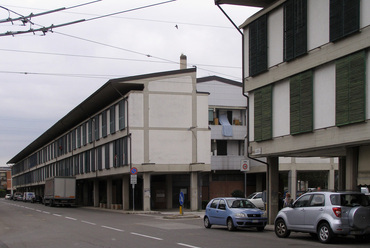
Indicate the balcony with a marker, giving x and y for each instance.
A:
(239, 132)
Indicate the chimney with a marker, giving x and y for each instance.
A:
(183, 62)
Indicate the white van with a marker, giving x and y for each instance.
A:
(28, 196)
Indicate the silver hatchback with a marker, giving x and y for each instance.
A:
(326, 214)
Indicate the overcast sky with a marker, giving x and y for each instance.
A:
(43, 77)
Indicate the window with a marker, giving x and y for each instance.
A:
(222, 205)
(104, 124)
(112, 119)
(302, 202)
(89, 130)
(295, 29)
(96, 122)
(350, 89)
(106, 156)
(258, 46)
(84, 139)
(221, 147)
(121, 109)
(100, 157)
(344, 18)
(301, 103)
(214, 203)
(263, 113)
(317, 201)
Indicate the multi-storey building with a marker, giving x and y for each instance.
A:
(306, 73)
(157, 123)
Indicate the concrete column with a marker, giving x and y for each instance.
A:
(351, 168)
(331, 179)
(109, 193)
(168, 191)
(126, 186)
(194, 191)
(341, 173)
(292, 181)
(273, 188)
(96, 193)
(146, 193)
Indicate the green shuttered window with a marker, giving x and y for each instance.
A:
(295, 29)
(263, 113)
(350, 89)
(258, 46)
(344, 18)
(301, 103)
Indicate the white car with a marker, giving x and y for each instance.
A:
(256, 199)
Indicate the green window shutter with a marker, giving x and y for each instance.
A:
(350, 89)
(121, 110)
(263, 114)
(258, 46)
(344, 18)
(301, 103)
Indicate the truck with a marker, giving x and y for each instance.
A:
(60, 191)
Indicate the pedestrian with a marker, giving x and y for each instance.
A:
(287, 201)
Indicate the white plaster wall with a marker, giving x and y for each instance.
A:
(275, 30)
(223, 94)
(170, 111)
(313, 160)
(176, 84)
(324, 96)
(204, 147)
(135, 110)
(317, 23)
(170, 147)
(202, 111)
(137, 145)
(281, 109)
(364, 13)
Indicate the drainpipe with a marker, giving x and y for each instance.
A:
(243, 93)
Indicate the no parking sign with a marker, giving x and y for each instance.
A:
(245, 165)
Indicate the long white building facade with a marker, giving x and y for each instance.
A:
(157, 123)
(307, 75)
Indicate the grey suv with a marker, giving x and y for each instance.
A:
(326, 214)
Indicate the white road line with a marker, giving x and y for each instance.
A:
(70, 218)
(146, 236)
(38, 210)
(86, 222)
(46, 212)
(57, 215)
(111, 228)
(190, 246)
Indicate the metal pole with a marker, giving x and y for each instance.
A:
(133, 197)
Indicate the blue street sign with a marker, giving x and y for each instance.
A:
(181, 198)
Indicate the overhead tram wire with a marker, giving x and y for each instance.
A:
(50, 28)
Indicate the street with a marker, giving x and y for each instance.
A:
(34, 225)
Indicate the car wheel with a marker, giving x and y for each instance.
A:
(207, 224)
(325, 234)
(281, 229)
(230, 224)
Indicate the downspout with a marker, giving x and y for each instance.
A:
(247, 109)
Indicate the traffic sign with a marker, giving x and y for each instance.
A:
(133, 171)
(133, 179)
(181, 198)
(245, 165)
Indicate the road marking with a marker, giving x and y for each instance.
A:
(70, 218)
(46, 212)
(146, 236)
(191, 246)
(58, 215)
(37, 210)
(112, 228)
(86, 222)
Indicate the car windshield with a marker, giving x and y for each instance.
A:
(240, 203)
(251, 196)
(349, 200)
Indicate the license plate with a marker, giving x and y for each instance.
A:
(255, 221)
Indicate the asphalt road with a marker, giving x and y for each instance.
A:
(34, 225)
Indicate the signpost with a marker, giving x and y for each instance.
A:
(133, 181)
(181, 201)
(245, 168)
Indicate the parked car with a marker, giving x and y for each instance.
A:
(256, 199)
(234, 212)
(28, 196)
(325, 215)
(18, 196)
(8, 196)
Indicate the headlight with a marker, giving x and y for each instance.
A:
(240, 215)
(264, 214)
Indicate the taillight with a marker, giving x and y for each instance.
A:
(337, 211)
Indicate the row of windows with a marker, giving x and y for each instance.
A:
(350, 98)
(111, 155)
(109, 121)
(344, 20)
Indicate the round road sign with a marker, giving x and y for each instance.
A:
(133, 171)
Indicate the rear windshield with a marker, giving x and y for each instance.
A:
(350, 200)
